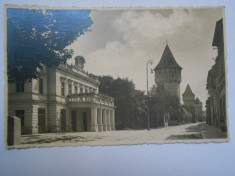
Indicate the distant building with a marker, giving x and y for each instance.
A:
(216, 84)
(188, 97)
(192, 105)
(63, 99)
(198, 110)
(168, 72)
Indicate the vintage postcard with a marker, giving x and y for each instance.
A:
(114, 76)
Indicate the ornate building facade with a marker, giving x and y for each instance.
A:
(63, 99)
(168, 72)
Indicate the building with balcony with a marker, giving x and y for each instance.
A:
(64, 99)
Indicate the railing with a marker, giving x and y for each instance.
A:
(79, 71)
(92, 98)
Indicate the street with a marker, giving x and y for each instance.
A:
(193, 132)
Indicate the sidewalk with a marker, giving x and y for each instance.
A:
(211, 132)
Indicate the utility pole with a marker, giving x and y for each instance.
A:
(148, 62)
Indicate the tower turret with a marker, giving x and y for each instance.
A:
(188, 97)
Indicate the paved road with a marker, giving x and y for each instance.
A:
(193, 132)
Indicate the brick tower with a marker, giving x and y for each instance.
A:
(168, 72)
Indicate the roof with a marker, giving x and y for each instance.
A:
(167, 60)
(197, 101)
(218, 34)
(188, 91)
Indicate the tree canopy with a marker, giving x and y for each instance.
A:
(162, 102)
(132, 105)
(36, 37)
(131, 109)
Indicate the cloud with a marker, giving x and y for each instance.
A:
(150, 26)
(143, 34)
(121, 42)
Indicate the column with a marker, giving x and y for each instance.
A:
(113, 120)
(94, 125)
(68, 120)
(34, 122)
(108, 120)
(104, 120)
(99, 119)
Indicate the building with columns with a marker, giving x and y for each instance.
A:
(64, 99)
(168, 72)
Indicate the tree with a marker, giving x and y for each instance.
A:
(36, 37)
(131, 109)
(162, 102)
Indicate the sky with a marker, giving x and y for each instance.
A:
(121, 41)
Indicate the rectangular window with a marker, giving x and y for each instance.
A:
(40, 85)
(62, 88)
(20, 87)
(81, 90)
(75, 89)
(20, 114)
(70, 89)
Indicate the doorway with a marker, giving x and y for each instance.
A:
(41, 120)
(63, 120)
(85, 121)
(74, 121)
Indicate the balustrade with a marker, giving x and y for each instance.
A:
(92, 98)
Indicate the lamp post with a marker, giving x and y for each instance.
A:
(148, 62)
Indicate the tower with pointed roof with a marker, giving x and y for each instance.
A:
(194, 106)
(188, 97)
(168, 72)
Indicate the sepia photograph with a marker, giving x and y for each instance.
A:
(114, 76)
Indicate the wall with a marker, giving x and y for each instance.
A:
(171, 78)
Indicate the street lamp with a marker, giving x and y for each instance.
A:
(148, 62)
